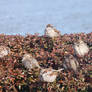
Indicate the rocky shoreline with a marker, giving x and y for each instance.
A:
(14, 77)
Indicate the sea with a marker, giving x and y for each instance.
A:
(31, 16)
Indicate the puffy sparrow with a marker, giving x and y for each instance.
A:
(50, 31)
(70, 63)
(81, 48)
(4, 51)
(29, 62)
(49, 74)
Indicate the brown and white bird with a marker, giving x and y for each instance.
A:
(30, 62)
(4, 51)
(50, 31)
(49, 74)
(70, 63)
(81, 48)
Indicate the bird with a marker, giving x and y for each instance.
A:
(50, 31)
(70, 63)
(30, 62)
(80, 48)
(49, 74)
(4, 50)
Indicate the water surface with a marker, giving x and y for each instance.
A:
(32, 16)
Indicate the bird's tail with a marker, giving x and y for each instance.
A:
(59, 70)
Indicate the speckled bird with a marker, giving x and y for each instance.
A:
(81, 48)
(50, 31)
(49, 74)
(4, 50)
(30, 62)
(70, 63)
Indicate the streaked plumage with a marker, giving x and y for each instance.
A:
(30, 62)
(81, 48)
(50, 31)
(49, 74)
(70, 63)
(4, 51)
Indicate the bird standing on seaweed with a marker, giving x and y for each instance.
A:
(50, 31)
(70, 63)
(4, 51)
(49, 74)
(30, 62)
(81, 48)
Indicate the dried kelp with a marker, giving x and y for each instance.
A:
(14, 77)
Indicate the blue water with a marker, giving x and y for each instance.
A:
(32, 16)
